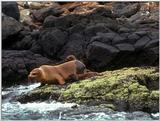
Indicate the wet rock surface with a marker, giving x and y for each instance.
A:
(126, 89)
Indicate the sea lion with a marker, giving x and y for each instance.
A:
(48, 74)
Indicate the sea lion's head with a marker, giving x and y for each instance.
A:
(35, 74)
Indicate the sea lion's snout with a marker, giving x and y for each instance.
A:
(29, 78)
(33, 74)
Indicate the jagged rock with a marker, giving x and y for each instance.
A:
(41, 14)
(52, 40)
(24, 44)
(75, 46)
(132, 38)
(141, 33)
(91, 31)
(35, 35)
(141, 42)
(125, 47)
(154, 35)
(17, 64)
(78, 28)
(103, 37)
(155, 51)
(153, 43)
(99, 54)
(118, 39)
(124, 30)
(49, 21)
(65, 22)
(10, 30)
(11, 9)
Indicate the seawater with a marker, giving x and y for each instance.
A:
(50, 110)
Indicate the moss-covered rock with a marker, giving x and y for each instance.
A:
(41, 94)
(126, 89)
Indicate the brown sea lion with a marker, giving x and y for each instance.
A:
(47, 74)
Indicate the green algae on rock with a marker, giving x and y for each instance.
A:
(127, 89)
(122, 87)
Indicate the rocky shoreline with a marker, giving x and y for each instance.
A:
(127, 89)
(119, 40)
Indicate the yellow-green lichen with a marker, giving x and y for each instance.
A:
(120, 84)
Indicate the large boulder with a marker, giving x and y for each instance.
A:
(75, 46)
(11, 9)
(10, 30)
(52, 40)
(16, 65)
(99, 54)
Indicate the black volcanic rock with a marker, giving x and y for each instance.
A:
(10, 30)
(99, 54)
(16, 65)
(11, 9)
(52, 40)
(41, 14)
(75, 46)
(49, 21)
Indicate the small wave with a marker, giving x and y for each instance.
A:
(97, 116)
(16, 110)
